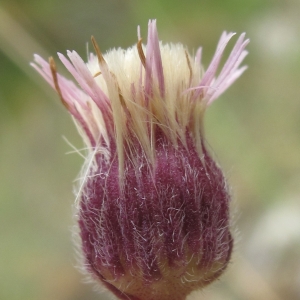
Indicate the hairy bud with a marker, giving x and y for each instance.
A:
(153, 209)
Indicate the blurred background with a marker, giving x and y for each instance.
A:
(254, 130)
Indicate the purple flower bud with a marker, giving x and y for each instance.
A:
(153, 206)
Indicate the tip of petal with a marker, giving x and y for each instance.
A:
(217, 84)
(153, 60)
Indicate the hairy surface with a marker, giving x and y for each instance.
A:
(167, 233)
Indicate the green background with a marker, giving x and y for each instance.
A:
(254, 130)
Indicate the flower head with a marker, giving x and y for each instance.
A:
(153, 209)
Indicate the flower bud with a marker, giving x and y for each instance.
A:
(153, 206)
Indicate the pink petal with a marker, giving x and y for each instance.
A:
(157, 60)
(85, 79)
(70, 93)
(210, 86)
(212, 69)
(153, 61)
(198, 56)
(227, 84)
